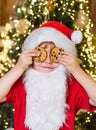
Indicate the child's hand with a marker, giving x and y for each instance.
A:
(70, 61)
(25, 59)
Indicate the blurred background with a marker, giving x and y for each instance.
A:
(19, 17)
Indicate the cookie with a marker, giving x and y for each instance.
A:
(54, 53)
(42, 54)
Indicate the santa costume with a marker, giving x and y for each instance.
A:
(48, 101)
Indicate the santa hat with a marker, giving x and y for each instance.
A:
(56, 32)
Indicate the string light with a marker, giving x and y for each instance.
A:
(85, 24)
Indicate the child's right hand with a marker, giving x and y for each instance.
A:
(25, 59)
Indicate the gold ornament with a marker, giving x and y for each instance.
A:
(51, 5)
(82, 20)
(23, 25)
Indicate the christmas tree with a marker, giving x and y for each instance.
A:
(29, 15)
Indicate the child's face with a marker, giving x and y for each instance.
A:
(47, 65)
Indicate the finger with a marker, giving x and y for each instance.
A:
(63, 60)
(65, 53)
(68, 54)
(29, 51)
(63, 57)
(31, 54)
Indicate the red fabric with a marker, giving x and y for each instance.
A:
(60, 27)
(76, 98)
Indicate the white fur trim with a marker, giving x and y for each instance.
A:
(48, 34)
(76, 36)
(46, 99)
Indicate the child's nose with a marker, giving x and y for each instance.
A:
(48, 59)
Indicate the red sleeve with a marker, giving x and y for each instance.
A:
(79, 97)
(83, 102)
(14, 91)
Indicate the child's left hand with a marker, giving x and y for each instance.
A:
(70, 61)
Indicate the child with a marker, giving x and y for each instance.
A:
(44, 96)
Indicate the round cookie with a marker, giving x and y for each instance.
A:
(42, 54)
(55, 52)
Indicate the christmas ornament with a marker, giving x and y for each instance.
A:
(51, 5)
(22, 26)
(82, 19)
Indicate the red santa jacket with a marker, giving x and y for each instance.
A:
(77, 99)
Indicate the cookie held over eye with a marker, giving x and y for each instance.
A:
(42, 54)
(54, 53)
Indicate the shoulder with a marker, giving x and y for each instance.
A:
(16, 91)
(77, 96)
(18, 84)
(74, 87)
(73, 83)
